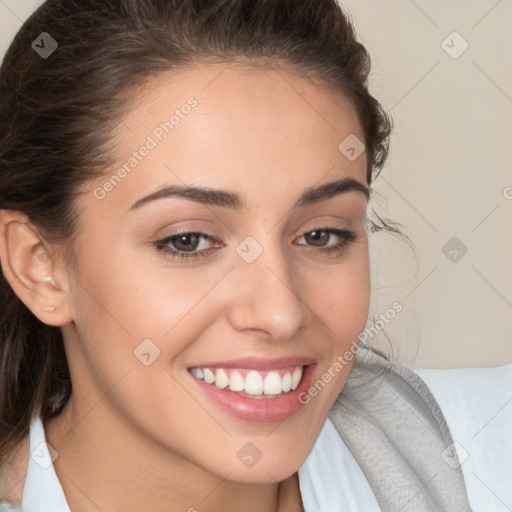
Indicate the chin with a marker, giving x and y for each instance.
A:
(259, 462)
(262, 473)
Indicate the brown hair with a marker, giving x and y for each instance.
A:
(57, 116)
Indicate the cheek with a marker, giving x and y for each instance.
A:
(340, 296)
(125, 298)
(341, 299)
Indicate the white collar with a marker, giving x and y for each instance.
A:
(42, 491)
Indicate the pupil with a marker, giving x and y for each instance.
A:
(316, 236)
(184, 245)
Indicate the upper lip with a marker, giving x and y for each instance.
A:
(258, 363)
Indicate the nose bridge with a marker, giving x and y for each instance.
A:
(268, 292)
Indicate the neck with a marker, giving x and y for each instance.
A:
(103, 465)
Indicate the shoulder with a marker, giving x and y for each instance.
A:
(477, 405)
(13, 475)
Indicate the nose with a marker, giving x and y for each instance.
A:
(267, 298)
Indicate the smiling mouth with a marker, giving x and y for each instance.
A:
(251, 383)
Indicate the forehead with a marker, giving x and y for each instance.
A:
(266, 92)
(235, 125)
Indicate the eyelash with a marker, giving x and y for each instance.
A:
(346, 235)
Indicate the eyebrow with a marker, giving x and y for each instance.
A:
(234, 201)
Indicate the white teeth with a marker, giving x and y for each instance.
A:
(209, 377)
(297, 375)
(253, 383)
(270, 386)
(287, 382)
(221, 379)
(197, 372)
(236, 382)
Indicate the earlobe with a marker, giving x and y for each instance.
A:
(36, 277)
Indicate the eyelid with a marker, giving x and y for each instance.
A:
(186, 231)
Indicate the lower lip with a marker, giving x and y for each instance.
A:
(258, 410)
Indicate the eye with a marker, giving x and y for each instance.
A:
(320, 236)
(188, 245)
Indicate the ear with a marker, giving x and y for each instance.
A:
(37, 277)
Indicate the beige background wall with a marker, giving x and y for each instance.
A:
(448, 175)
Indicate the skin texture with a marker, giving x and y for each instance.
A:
(136, 437)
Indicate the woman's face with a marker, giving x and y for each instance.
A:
(275, 280)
